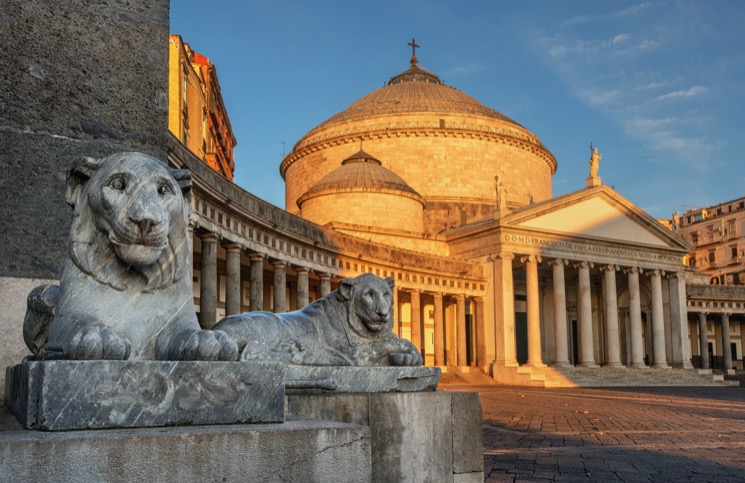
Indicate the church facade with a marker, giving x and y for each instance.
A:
(420, 182)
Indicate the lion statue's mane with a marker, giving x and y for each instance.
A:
(125, 290)
(351, 326)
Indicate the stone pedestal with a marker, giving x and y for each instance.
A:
(592, 181)
(361, 379)
(64, 395)
(297, 450)
(434, 436)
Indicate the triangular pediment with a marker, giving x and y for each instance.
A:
(598, 213)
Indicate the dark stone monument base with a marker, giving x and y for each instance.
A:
(343, 379)
(297, 450)
(64, 395)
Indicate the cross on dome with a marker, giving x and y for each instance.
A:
(414, 46)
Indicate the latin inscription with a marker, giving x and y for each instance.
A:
(592, 249)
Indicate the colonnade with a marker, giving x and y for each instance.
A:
(704, 343)
(450, 342)
(209, 279)
(586, 355)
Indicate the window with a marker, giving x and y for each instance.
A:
(712, 256)
(694, 238)
(733, 252)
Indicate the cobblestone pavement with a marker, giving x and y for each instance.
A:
(655, 434)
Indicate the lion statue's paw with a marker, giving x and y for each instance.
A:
(207, 345)
(405, 359)
(98, 342)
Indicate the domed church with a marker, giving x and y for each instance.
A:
(585, 279)
(441, 142)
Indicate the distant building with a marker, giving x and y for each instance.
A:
(717, 234)
(196, 113)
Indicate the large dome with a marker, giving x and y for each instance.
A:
(443, 143)
(415, 90)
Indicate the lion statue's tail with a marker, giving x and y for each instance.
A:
(39, 315)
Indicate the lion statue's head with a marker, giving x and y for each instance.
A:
(370, 300)
(130, 221)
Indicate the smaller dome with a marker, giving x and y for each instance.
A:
(361, 172)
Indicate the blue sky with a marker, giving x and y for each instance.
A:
(658, 87)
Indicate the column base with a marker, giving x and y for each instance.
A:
(591, 365)
(617, 365)
(535, 364)
(661, 366)
(639, 365)
(562, 364)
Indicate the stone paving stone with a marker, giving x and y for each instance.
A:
(659, 434)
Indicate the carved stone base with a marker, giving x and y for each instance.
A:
(64, 395)
(342, 379)
(593, 181)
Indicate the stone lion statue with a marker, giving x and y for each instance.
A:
(125, 290)
(351, 326)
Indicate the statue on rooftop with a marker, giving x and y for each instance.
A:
(595, 158)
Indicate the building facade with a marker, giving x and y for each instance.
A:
(196, 112)
(452, 200)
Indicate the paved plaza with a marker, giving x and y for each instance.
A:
(613, 434)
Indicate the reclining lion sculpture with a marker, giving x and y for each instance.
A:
(351, 326)
(125, 290)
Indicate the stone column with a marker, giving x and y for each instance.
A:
(703, 341)
(280, 286)
(208, 282)
(726, 349)
(256, 301)
(302, 287)
(584, 303)
(396, 311)
(505, 310)
(325, 284)
(611, 316)
(439, 331)
(233, 279)
(478, 303)
(416, 321)
(635, 318)
(560, 314)
(460, 301)
(679, 322)
(658, 322)
(534, 317)
(191, 250)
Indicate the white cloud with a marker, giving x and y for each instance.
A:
(466, 70)
(683, 93)
(620, 38)
(597, 98)
(625, 13)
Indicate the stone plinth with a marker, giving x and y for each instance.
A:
(297, 450)
(426, 436)
(64, 395)
(593, 181)
(361, 379)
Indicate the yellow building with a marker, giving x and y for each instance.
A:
(196, 113)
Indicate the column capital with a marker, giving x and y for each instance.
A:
(459, 296)
(633, 270)
(530, 258)
(478, 299)
(232, 247)
(300, 269)
(208, 236)
(324, 276)
(584, 264)
(559, 261)
(279, 263)
(655, 272)
(610, 268)
(507, 256)
(256, 257)
(726, 315)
